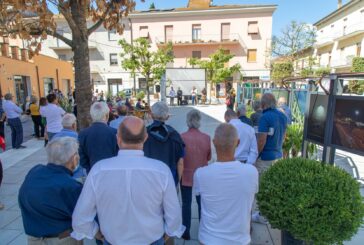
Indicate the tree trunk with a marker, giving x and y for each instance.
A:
(148, 94)
(81, 64)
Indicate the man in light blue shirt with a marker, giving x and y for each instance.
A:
(122, 112)
(13, 113)
(69, 123)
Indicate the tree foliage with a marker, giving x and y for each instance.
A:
(280, 71)
(215, 66)
(138, 57)
(293, 38)
(34, 20)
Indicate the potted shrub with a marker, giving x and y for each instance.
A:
(316, 203)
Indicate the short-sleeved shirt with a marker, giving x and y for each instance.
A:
(53, 114)
(34, 109)
(227, 193)
(274, 123)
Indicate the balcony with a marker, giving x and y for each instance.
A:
(351, 31)
(201, 40)
(58, 45)
(343, 62)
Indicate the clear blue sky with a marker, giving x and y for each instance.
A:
(308, 11)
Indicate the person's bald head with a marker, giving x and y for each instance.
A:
(226, 139)
(132, 133)
(229, 115)
(268, 101)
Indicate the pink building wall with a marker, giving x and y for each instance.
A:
(210, 22)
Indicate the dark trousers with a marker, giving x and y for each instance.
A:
(171, 101)
(16, 132)
(2, 129)
(179, 100)
(1, 172)
(37, 121)
(186, 193)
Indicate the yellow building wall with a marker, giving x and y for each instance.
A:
(47, 68)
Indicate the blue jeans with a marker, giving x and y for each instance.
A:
(186, 193)
(16, 132)
(193, 100)
(159, 242)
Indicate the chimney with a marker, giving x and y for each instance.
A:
(339, 3)
(24, 54)
(5, 47)
(15, 52)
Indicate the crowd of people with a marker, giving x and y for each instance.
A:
(119, 182)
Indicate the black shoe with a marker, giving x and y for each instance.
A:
(21, 147)
(186, 236)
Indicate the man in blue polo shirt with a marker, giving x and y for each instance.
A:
(49, 194)
(272, 130)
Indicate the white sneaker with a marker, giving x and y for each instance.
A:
(257, 218)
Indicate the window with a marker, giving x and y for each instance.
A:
(196, 32)
(332, 26)
(168, 34)
(358, 49)
(252, 55)
(62, 57)
(113, 59)
(113, 36)
(329, 59)
(196, 54)
(253, 27)
(225, 31)
(143, 32)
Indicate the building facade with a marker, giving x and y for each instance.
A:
(37, 76)
(200, 29)
(340, 37)
(195, 31)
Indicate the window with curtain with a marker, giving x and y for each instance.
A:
(168, 34)
(143, 32)
(253, 27)
(113, 59)
(196, 54)
(225, 31)
(252, 55)
(196, 32)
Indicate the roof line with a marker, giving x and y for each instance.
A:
(332, 14)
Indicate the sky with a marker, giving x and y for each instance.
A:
(308, 11)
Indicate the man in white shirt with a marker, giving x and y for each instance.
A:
(227, 190)
(247, 150)
(133, 196)
(13, 113)
(53, 114)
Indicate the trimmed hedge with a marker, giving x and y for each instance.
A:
(314, 202)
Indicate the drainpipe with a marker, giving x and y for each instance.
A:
(132, 44)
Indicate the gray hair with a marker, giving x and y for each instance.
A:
(68, 120)
(98, 111)
(282, 101)
(193, 119)
(257, 105)
(225, 137)
(242, 110)
(8, 96)
(230, 114)
(33, 99)
(60, 150)
(160, 111)
(268, 101)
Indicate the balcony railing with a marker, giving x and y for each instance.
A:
(212, 39)
(343, 62)
(358, 27)
(57, 44)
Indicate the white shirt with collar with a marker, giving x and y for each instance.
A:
(134, 198)
(247, 149)
(227, 193)
(11, 109)
(53, 114)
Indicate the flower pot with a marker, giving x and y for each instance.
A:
(288, 239)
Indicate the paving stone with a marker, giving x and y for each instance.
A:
(6, 217)
(6, 236)
(192, 242)
(16, 225)
(260, 234)
(194, 229)
(179, 241)
(20, 240)
(9, 189)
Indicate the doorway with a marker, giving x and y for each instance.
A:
(22, 87)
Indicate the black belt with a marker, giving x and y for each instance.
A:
(61, 235)
(243, 161)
